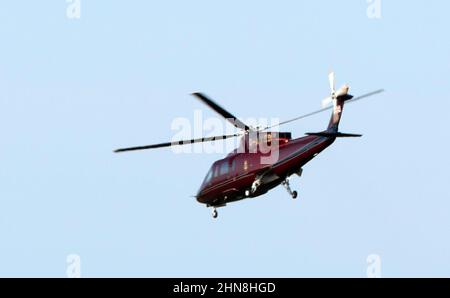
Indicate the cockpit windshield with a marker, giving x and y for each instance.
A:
(208, 176)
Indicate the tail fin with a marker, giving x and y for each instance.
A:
(339, 99)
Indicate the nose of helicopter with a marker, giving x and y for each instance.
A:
(200, 198)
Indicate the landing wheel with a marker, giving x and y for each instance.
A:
(285, 183)
(214, 213)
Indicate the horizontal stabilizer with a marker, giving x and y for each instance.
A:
(334, 134)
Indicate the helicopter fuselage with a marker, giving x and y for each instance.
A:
(234, 178)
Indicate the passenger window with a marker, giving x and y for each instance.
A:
(224, 168)
(233, 165)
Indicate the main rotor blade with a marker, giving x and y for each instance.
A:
(184, 142)
(221, 111)
(324, 109)
(365, 95)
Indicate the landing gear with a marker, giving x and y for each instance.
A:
(286, 184)
(255, 185)
(294, 194)
(214, 213)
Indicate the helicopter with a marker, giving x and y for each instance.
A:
(249, 171)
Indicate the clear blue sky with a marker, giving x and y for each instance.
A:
(71, 91)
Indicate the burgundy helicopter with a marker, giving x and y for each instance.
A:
(251, 170)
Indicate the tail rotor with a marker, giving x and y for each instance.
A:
(334, 94)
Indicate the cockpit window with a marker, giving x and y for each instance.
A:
(208, 176)
(216, 170)
(219, 169)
